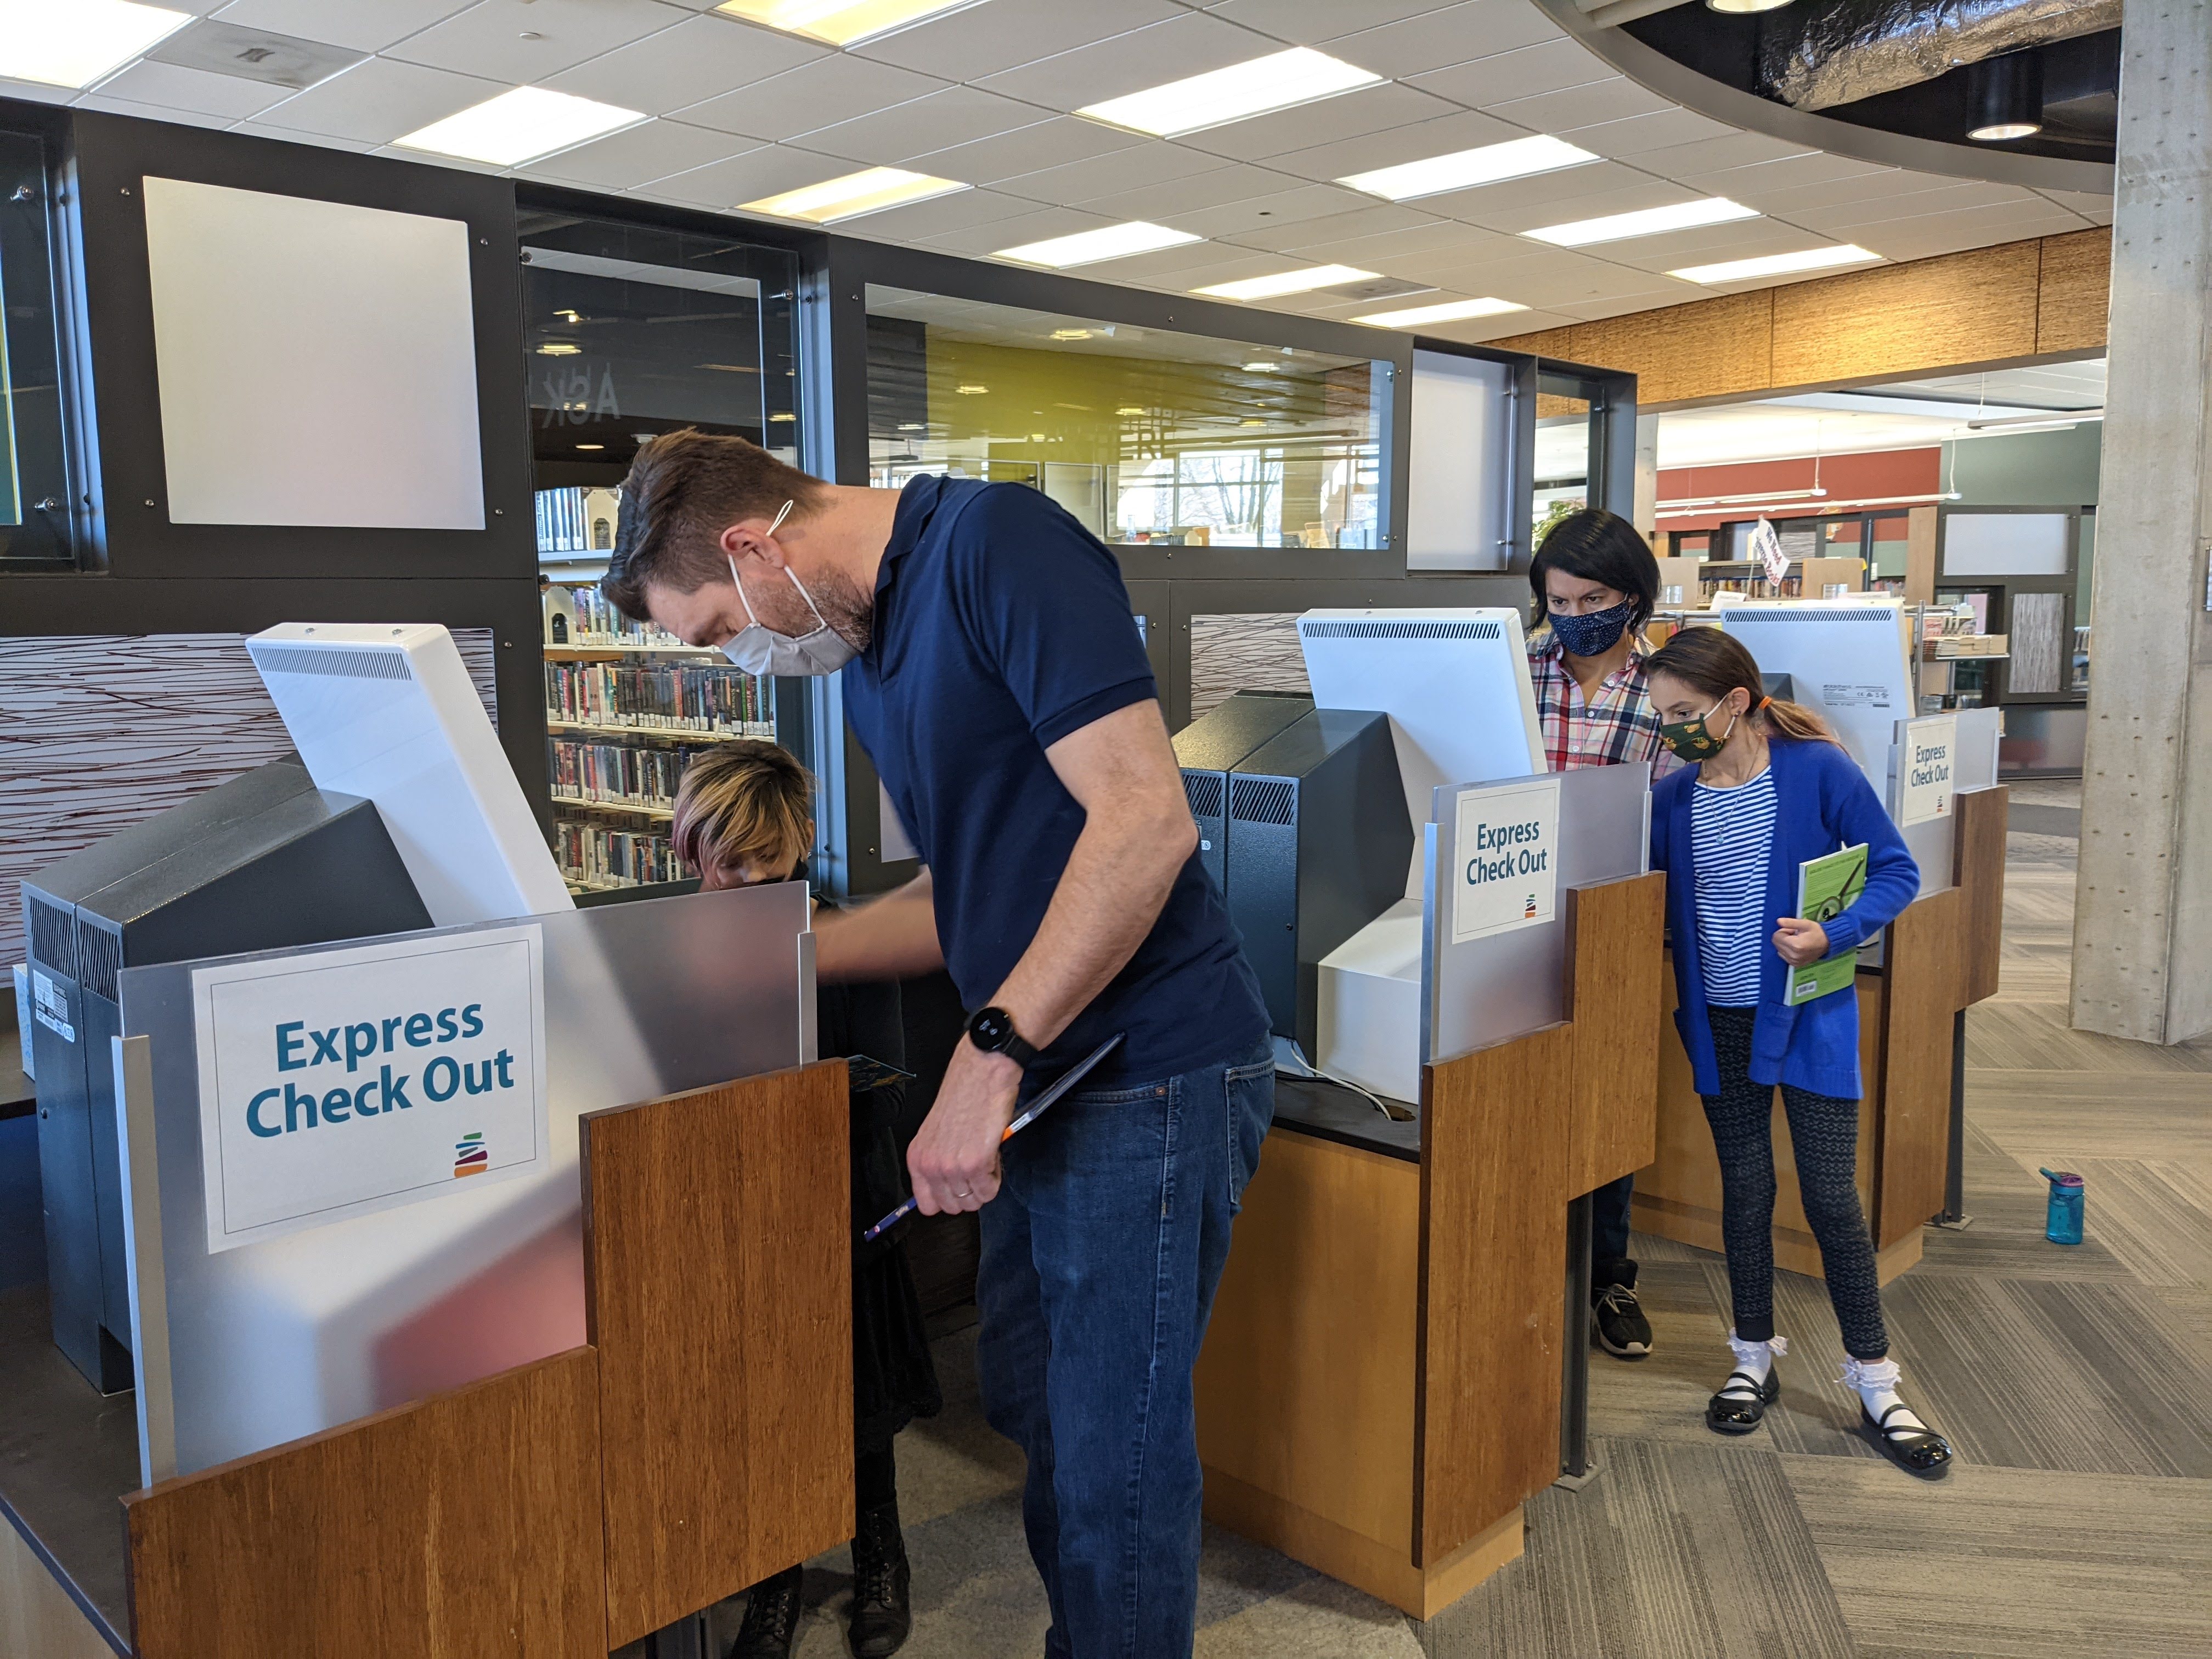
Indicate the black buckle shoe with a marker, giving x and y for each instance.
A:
(1618, 1319)
(882, 1586)
(772, 1610)
(1741, 1403)
(1914, 1449)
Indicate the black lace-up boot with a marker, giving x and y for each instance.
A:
(772, 1610)
(881, 1579)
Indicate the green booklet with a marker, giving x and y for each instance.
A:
(1827, 887)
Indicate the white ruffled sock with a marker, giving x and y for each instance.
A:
(1875, 1381)
(1756, 1359)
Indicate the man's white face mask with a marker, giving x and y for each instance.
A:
(760, 650)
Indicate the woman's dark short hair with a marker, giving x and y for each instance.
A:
(1598, 547)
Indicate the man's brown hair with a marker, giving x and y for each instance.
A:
(684, 489)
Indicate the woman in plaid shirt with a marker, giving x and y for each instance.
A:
(1596, 583)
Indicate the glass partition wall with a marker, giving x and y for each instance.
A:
(1150, 436)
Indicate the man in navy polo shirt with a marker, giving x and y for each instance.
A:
(994, 673)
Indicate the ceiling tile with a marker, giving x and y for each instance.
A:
(638, 156)
(1305, 204)
(1631, 197)
(1036, 226)
(1548, 66)
(1464, 130)
(982, 40)
(768, 170)
(890, 137)
(524, 41)
(1188, 195)
(2082, 201)
(1190, 43)
(1811, 167)
(171, 86)
(362, 25)
(1434, 39)
(701, 58)
(1309, 22)
(1363, 226)
(1581, 107)
(835, 88)
(939, 216)
(1049, 144)
(1640, 135)
(1792, 199)
(1155, 162)
(320, 140)
(1179, 270)
(379, 101)
(417, 158)
(1746, 240)
(1352, 115)
(1711, 154)
(107, 105)
(1552, 197)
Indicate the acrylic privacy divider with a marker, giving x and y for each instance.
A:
(266, 1341)
(1497, 979)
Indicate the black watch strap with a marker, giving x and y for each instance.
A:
(992, 1029)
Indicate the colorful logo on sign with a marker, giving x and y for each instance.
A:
(470, 1156)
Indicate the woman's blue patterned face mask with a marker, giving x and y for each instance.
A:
(1595, 634)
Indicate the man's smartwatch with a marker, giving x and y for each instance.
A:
(992, 1029)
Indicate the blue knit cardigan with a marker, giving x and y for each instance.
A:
(1822, 803)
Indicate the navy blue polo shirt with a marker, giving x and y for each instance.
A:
(1001, 626)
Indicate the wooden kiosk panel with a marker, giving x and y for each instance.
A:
(1927, 967)
(465, 1523)
(1979, 858)
(718, 1265)
(1493, 1203)
(1615, 985)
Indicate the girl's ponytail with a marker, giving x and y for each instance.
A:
(1713, 662)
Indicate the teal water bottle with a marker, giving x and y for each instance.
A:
(2064, 1223)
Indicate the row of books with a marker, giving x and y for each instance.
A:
(596, 855)
(618, 772)
(659, 696)
(569, 522)
(593, 621)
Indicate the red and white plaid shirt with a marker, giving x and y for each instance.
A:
(1618, 725)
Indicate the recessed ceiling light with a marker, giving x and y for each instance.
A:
(1089, 247)
(521, 125)
(1262, 368)
(914, 426)
(590, 446)
(1451, 311)
(1286, 281)
(1486, 164)
(1649, 221)
(74, 46)
(971, 391)
(1740, 7)
(1777, 265)
(1071, 334)
(1251, 420)
(558, 348)
(570, 316)
(1129, 409)
(870, 191)
(839, 23)
(783, 415)
(1278, 80)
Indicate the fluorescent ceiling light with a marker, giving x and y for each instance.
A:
(870, 191)
(1129, 409)
(1089, 247)
(839, 23)
(1278, 80)
(1286, 281)
(74, 45)
(1651, 222)
(1451, 311)
(521, 124)
(1777, 265)
(1463, 169)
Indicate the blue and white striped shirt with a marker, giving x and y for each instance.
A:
(1731, 837)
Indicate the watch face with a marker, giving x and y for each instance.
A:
(990, 1028)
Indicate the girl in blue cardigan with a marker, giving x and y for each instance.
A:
(1770, 788)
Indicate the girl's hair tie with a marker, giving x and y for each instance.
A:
(1762, 703)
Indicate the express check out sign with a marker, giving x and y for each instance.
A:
(350, 1081)
(1508, 873)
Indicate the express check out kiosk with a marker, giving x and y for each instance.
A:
(1392, 1365)
(474, 1298)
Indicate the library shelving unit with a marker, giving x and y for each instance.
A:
(626, 709)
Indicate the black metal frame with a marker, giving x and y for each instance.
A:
(34, 323)
(2008, 588)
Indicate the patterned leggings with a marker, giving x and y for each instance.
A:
(1824, 1132)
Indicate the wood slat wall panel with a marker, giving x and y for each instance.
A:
(1494, 1255)
(1614, 970)
(2015, 300)
(718, 1260)
(1979, 857)
(467, 1524)
(1926, 973)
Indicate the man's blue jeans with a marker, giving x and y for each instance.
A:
(1101, 1256)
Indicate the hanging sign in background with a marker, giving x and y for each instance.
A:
(356, 1080)
(1508, 873)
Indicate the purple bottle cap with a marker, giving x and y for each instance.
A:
(2060, 1178)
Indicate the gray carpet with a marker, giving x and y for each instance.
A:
(2076, 1382)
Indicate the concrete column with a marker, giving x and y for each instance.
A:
(2143, 918)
